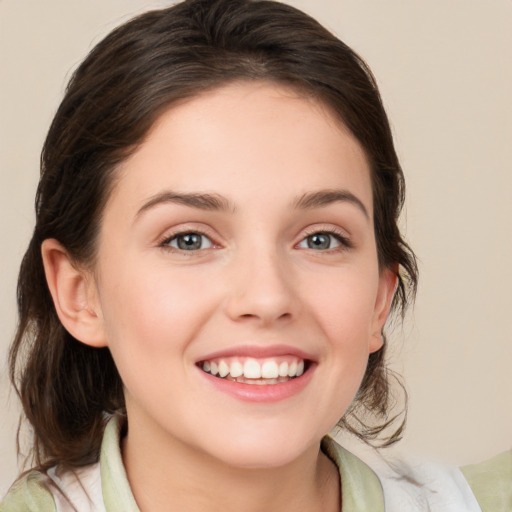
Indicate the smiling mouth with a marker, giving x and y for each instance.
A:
(254, 371)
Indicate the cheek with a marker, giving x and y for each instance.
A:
(151, 318)
(345, 304)
(152, 309)
(345, 313)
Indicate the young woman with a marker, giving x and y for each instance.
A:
(215, 257)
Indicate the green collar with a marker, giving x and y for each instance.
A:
(117, 494)
(360, 488)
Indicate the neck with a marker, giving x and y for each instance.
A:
(169, 475)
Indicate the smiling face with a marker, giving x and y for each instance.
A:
(236, 281)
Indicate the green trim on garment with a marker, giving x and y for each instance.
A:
(29, 494)
(491, 482)
(117, 495)
(361, 490)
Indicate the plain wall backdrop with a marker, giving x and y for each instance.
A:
(445, 72)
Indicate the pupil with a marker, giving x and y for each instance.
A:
(189, 241)
(319, 241)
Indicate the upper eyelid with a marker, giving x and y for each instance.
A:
(186, 232)
(326, 228)
(216, 239)
(343, 237)
(170, 234)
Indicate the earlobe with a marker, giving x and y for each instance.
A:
(388, 282)
(74, 295)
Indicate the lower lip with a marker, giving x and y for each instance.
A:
(261, 393)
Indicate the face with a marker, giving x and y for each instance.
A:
(236, 280)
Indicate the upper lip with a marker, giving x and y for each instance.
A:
(258, 352)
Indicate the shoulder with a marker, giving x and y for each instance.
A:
(57, 490)
(405, 484)
(491, 482)
(30, 493)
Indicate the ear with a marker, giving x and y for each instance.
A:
(388, 281)
(74, 295)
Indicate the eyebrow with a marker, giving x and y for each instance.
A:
(322, 198)
(211, 202)
(216, 202)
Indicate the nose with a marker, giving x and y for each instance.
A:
(262, 289)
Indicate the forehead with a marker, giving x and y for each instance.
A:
(246, 139)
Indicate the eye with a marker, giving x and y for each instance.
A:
(323, 241)
(189, 242)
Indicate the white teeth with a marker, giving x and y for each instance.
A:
(269, 370)
(236, 369)
(223, 369)
(252, 369)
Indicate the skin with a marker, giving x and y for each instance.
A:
(256, 281)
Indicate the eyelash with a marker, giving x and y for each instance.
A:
(344, 241)
(165, 242)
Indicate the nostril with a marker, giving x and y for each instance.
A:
(283, 316)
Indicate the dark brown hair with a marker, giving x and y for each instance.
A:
(68, 389)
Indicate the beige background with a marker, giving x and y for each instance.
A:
(445, 71)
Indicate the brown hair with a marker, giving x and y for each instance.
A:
(67, 388)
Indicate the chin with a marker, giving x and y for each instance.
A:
(258, 450)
